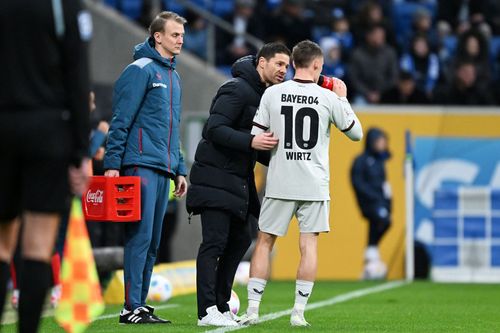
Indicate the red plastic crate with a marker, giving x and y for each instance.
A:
(113, 199)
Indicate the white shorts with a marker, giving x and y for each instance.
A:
(275, 216)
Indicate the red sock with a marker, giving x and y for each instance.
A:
(56, 268)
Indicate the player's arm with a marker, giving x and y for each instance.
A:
(342, 114)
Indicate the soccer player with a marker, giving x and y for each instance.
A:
(299, 112)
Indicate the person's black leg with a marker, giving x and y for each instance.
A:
(238, 242)
(378, 228)
(4, 278)
(34, 284)
(215, 231)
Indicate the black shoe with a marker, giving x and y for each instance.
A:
(141, 315)
(160, 320)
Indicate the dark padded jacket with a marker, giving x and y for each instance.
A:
(222, 174)
(368, 177)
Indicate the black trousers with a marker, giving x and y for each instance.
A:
(225, 241)
(378, 228)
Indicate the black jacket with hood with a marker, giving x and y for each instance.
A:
(368, 177)
(222, 175)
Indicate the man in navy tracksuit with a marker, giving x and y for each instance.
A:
(143, 141)
(374, 196)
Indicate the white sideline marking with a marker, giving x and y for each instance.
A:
(11, 317)
(334, 300)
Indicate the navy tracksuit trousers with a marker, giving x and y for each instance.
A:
(143, 238)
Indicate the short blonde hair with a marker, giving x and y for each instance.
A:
(158, 23)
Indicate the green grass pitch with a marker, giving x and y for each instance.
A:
(415, 307)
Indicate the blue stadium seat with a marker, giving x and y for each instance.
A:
(177, 7)
(222, 7)
(272, 4)
(226, 70)
(111, 3)
(495, 47)
(131, 8)
(402, 17)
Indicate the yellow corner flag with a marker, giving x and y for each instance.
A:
(81, 299)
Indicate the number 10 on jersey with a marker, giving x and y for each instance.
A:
(302, 113)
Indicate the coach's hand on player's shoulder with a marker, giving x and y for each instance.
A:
(339, 87)
(112, 173)
(264, 141)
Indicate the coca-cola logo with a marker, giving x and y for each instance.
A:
(95, 197)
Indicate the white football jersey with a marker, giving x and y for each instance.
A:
(299, 113)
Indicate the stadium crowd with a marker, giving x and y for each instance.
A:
(388, 51)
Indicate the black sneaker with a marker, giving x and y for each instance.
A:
(141, 315)
(160, 320)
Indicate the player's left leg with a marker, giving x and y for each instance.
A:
(306, 275)
(275, 215)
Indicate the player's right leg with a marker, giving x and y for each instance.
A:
(313, 217)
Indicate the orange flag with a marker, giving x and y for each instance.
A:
(81, 299)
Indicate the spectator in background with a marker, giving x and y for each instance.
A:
(405, 92)
(422, 25)
(473, 47)
(333, 65)
(460, 14)
(341, 31)
(44, 132)
(371, 14)
(232, 47)
(464, 88)
(374, 196)
(196, 34)
(422, 64)
(288, 24)
(373, 68)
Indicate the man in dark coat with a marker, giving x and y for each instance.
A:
(222, 181)
(374, 196)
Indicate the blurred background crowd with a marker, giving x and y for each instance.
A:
(388, 51)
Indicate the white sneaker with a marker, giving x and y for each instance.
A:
(249, 319)
(55, 295)
(297, 319)
(14, 300)
(215, 318)
(230, 315)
